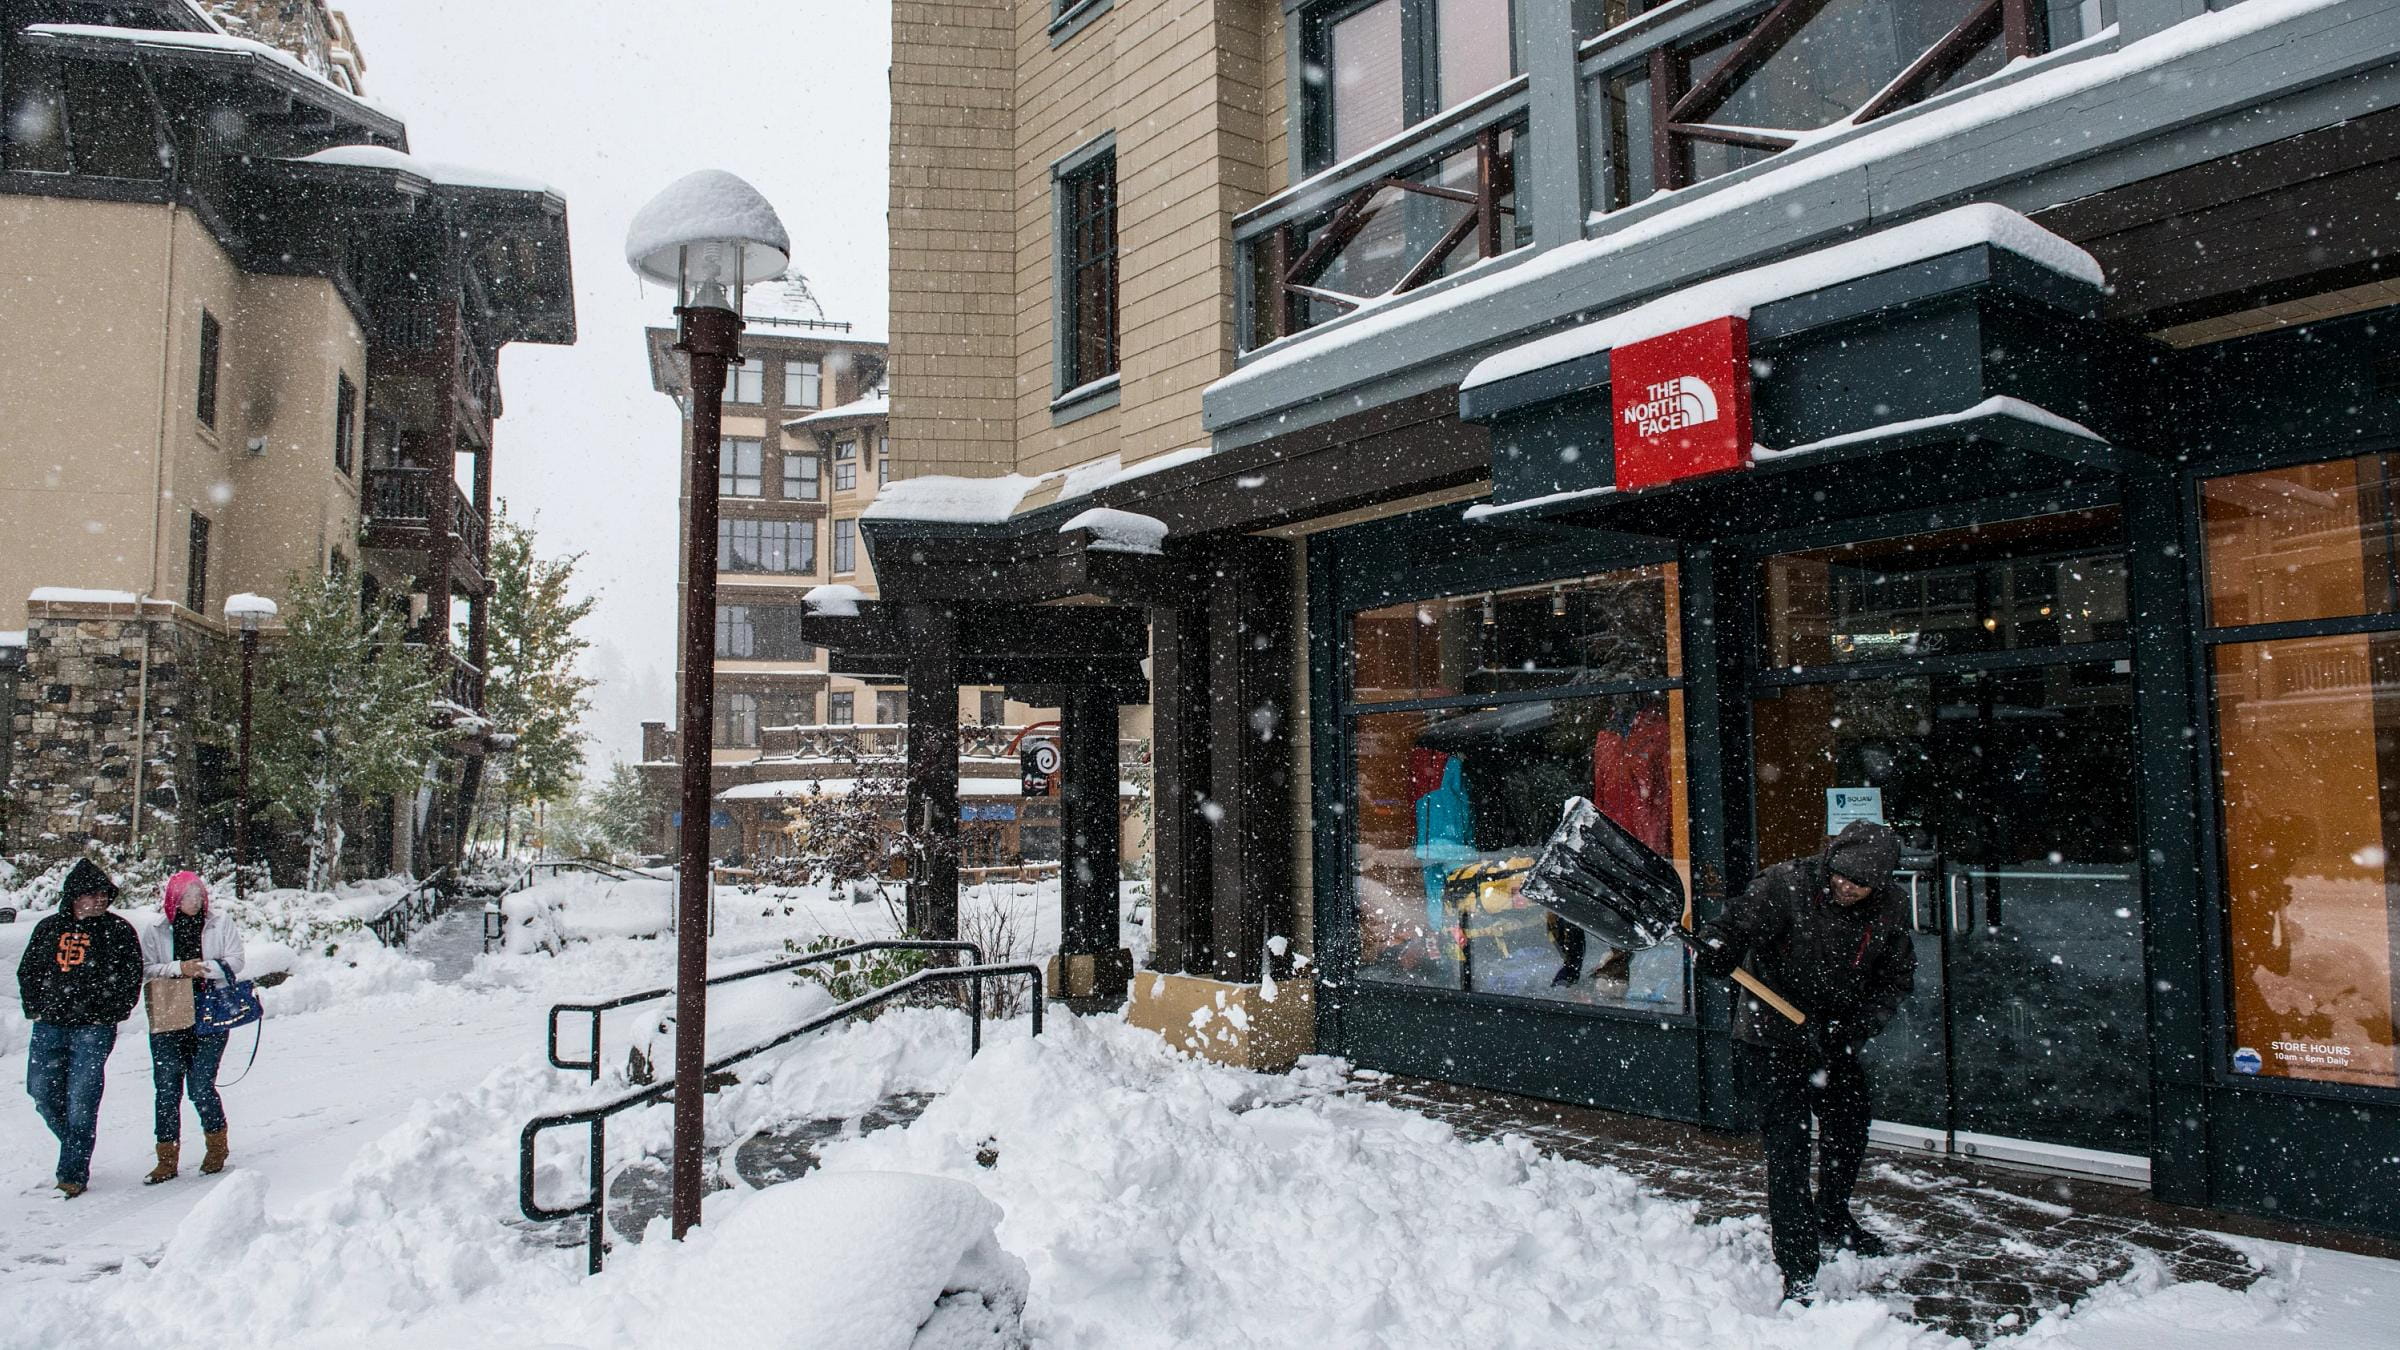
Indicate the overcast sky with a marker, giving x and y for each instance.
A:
(608, 101)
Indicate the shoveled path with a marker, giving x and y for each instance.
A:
(1979, 1251)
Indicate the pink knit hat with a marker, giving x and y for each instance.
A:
(186, 892)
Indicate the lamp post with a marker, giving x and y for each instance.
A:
(708, 235)
(248, 611)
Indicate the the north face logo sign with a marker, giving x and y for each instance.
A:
(1671, 405)
(1680, 403)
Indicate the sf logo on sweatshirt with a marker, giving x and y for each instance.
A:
(72, 949)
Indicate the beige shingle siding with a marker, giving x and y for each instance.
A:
(1193, 92)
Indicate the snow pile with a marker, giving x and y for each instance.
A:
(1736, 295)
(531, 922)
(1116, 531)
(861, 1260)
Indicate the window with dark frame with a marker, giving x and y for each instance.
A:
(845, 546)
(1087, 271)
(802, 477)
(845, 465)
(761, 633)
(840, 709)
(195, 566)
(737, 721)
(739, 468)
(802, 384)
(345, 422)
(778, 546)
(746, 382)
(883, 461)
(1389, 64)
(993, 709)
(212, 339)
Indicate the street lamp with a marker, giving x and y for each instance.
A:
(246, 611)
(709, 234)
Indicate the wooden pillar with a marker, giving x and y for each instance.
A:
(1088, 829)
(1183, 840)
(1251, 651)
(931, 637)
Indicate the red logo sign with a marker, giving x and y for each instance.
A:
(1682, 404)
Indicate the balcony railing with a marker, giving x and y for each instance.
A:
(1418, 208)
(406, 507)
(456, 679)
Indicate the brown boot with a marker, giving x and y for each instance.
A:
(69, 1189)
(169, 1153)
(213, 1160)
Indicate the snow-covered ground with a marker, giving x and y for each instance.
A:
(1123, 1195)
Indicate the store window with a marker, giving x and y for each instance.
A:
(1376, 68)
(2308, 763)
(1473, 719)
(739, 472)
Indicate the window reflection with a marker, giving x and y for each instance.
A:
(1452, 806)
(2312, 541)
(1610, 628)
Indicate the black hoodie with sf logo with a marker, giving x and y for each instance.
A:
(81, 972)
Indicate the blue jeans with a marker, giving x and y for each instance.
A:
(63, 1073)
(186, 1059)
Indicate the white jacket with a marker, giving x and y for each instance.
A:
(220, 940)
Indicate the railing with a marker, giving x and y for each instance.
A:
(407, 499)
(595, 1205)
(420, 906)
(592, 1065)
(1381, 224)
(463, 682)
(597, 866)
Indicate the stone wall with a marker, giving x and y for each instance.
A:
(79, 706)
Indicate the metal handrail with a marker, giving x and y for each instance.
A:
(595, 1118)
(412, 911)
(592, 1065)
(596, 866)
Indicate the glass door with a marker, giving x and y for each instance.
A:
(1971, 689)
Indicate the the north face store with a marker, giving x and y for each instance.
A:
(1901, 530)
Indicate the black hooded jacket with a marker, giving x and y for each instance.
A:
(81, 972)
(1849, 967)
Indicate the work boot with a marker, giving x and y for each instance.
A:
(1800, 1289)
(212, 1161)
(69, 1189)
(1842, 1229)
(170, 1152)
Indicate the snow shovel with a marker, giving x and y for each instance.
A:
(1595, 874)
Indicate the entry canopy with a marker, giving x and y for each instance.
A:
(1017, 646)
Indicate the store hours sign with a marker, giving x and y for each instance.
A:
(1681, 404)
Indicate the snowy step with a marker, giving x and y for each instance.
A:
(640, 1191)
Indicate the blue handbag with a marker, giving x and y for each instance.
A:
(219, 1008)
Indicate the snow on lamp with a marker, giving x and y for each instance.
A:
(709, 235)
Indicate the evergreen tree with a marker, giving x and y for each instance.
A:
(532, 692)
(345, 714)
(624, 811)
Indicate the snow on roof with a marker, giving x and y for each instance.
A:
(951, 500)
(1119, 531)
(836, 601)
(433, 171)
(2000, 405)
(877, 404)
(71, 595)
(1736, 295)
(14, 637)
(217, 41)
(1857, 148)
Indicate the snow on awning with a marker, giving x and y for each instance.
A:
(1115, 531)
(214, 44)
(836, 601)
(949, 500)
(878, 404)
(1736, 295)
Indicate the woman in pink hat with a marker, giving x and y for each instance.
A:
(196, 941)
